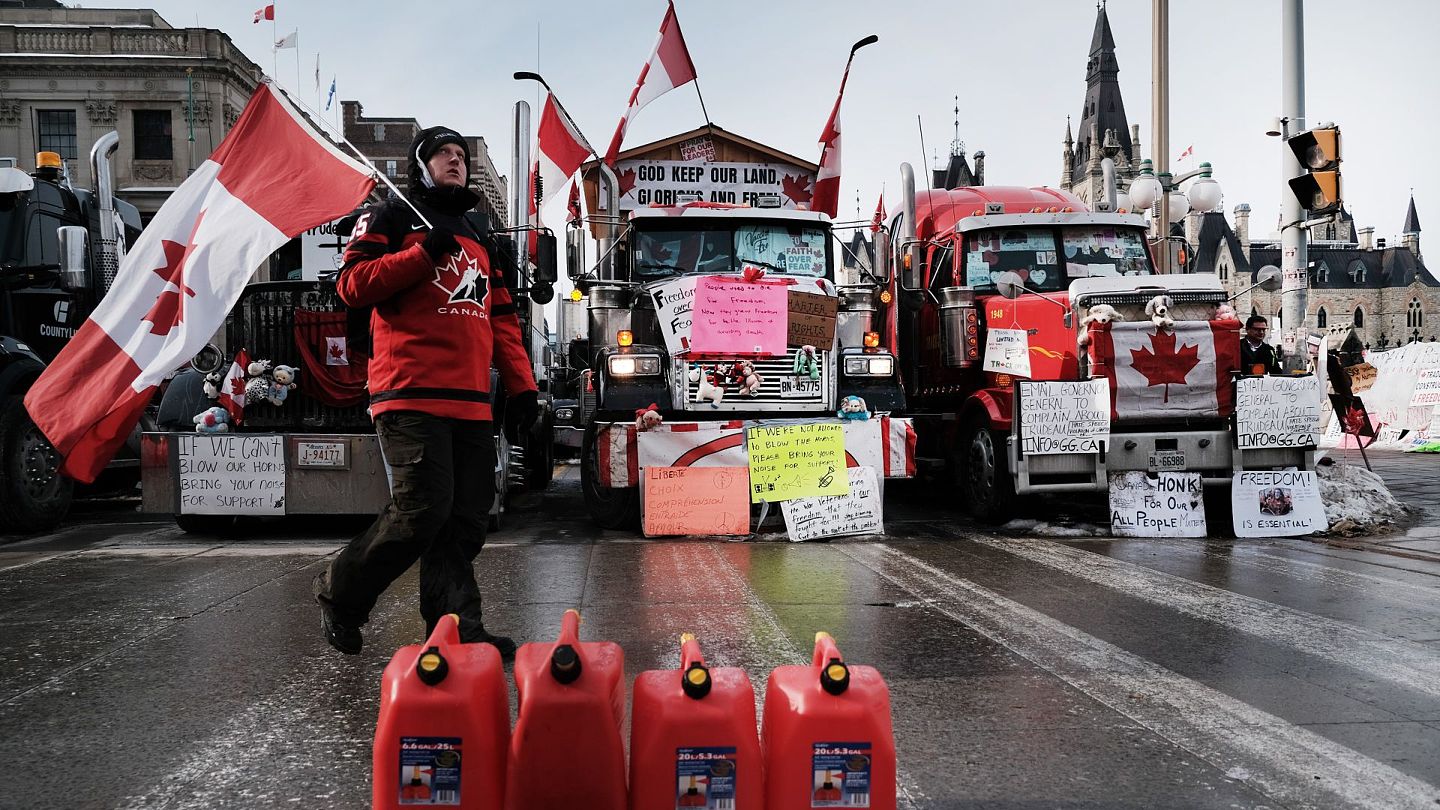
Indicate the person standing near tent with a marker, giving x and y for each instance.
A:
(441, 315)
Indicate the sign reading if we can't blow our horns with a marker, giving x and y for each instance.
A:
(1276, 411)
(1063, 417)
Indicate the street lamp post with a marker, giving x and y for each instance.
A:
(1149, 189)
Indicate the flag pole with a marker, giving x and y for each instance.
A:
(709, 127)
(525, 74)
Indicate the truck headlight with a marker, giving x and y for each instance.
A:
(564, 414)
(634, 365)
(869, 365)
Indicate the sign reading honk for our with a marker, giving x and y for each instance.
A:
(796, 461)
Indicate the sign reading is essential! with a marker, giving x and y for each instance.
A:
(1277, 504)
(1276, 411)
(1064, 417)
(230, 474)
(796, 461)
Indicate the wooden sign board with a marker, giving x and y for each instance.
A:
(812, 319)
(694, 500)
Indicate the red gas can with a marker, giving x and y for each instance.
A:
(567, 752)
(692, 737)
(827, 735)
(444, 724)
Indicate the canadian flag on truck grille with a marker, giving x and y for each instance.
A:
(1160, 374)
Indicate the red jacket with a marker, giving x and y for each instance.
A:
(437, 326)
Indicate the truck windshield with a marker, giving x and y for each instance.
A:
(778, 248)
(1048, 259)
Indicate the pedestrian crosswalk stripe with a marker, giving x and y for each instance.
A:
(1405, 663)
(1285, 762)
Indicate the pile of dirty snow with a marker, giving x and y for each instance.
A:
(1356, 499)
(1040, 528)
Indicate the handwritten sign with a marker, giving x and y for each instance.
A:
(1276, 411)
(674, 308)
(858, 512)
(738, 317)
(1007, 351)
(1427, 389)
(694, 500)
(796, 461)
(1168, 505)
(1064, 417)
(231, 474)
(811, 319)
(1276, 504)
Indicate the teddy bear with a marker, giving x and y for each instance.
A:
(257, 382)
(282, 381)
(853, 407)
(212, 420)
(213, 381)
(746, 377)
(807, 362)
(1158, 310)
(648, 417)
(1225, 312)
(711, 384)
(1100, 313)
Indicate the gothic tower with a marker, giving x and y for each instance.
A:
(1103, 131)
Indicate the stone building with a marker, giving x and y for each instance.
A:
(1104, 130)
(385, 140)
(69, 75)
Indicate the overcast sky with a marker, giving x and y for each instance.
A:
(769, 70)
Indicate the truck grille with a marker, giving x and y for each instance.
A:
(771, 370)
(263, 323)
(1189, 305)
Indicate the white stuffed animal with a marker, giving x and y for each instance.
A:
(1158, 310)
(648, 417)
(257, 383)
(1100, 313)
(282, 382)
(212, 420)
(712, 384)
(212, 384)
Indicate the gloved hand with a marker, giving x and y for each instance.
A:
(440, 243)
(523, 410)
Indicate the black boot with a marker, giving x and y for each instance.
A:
(504, 644)
(342, 637)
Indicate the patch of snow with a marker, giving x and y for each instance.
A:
(1040, 528)
(1356, 499)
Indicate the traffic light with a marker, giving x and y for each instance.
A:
(1318, 151)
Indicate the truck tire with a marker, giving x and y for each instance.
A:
(986, 485)
(539, 460)
(212, 525)
(34, 496)
(611, 507)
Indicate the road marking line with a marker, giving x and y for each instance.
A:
(1285, 762)
(1372, 654)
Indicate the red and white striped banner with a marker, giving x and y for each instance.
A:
(669, 67)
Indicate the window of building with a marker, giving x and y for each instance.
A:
(56, 131)
(1224, 271)
(1357, 271)
(1415, 317)
(390, 168)
(1359, 319)
(153, 139)
(1322, 273)
(379, 132)
(1322, 318)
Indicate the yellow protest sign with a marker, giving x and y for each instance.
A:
(796, 461)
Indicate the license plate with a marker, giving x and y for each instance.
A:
(333, 454)
(798, 387)
(1167, 461)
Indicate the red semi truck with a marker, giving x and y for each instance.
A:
(973, 260)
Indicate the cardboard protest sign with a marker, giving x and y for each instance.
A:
(796, 461)
(1063, 417)
(694, 500)
(811, 319)
(1168, 505)
(1007, 351)
(1427, 389)
(674, 311)
(230, 474)
(858, 512)
(1276, 411)
(734, 317)
(1276, 504)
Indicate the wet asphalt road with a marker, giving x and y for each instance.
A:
(143, 668)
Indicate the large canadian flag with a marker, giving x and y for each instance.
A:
(560, 149)
(669, 67)
(270, 179)
(1163, 374)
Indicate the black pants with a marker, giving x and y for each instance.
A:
(442, 487)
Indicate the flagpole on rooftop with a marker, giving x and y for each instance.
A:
(709, 127)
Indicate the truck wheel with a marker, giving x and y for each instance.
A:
(611, 507)
(986, 485)
(34, 496)
(540, 460)
(213, 525)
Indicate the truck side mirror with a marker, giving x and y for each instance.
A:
(545, 268)
(74, 249)
(542, 292)
(882, 256)
(575, 252)
(13, 180)
(1010, 284)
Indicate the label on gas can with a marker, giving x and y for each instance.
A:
(705, 778)
(430, 770)
(841, 774)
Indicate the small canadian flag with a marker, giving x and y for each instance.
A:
(336, 353)
(266, 13)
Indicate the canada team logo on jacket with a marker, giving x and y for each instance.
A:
(462, 278)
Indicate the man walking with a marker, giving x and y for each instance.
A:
(441, 315)
(1257, 358)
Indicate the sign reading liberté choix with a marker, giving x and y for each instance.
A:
(666, 182)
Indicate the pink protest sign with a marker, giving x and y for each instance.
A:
(734, 317)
